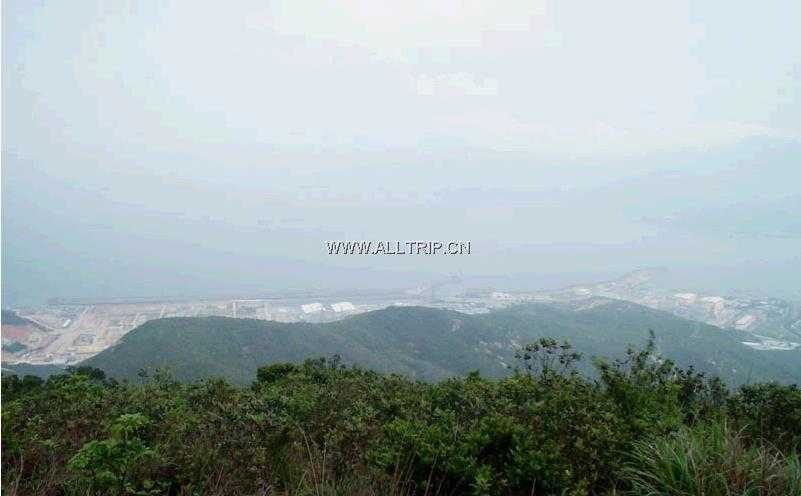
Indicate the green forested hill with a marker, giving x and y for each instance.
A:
(432, 344)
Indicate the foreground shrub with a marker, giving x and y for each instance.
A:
(769, 411)
(319, 428)
(117, 465)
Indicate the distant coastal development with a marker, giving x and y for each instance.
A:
(66, 333)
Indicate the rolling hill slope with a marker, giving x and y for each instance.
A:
(432, 344)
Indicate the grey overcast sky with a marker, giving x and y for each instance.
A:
(199, 148)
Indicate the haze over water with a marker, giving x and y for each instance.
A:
(181, 150)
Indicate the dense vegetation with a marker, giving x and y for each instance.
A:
(645, 426)
(434, 344)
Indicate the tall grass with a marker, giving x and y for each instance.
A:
(712, 459)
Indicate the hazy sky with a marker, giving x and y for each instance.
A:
(200, 147)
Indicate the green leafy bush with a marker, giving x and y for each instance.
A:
(115, 465)
(643, 426)
(769, 411)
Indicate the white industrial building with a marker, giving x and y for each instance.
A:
(312, 307)
(343, 306)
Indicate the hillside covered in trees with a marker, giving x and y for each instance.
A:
(434, 344)
(643, 427)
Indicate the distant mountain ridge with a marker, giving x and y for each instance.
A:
(14, 330)
(432, 344)
(10, 318)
